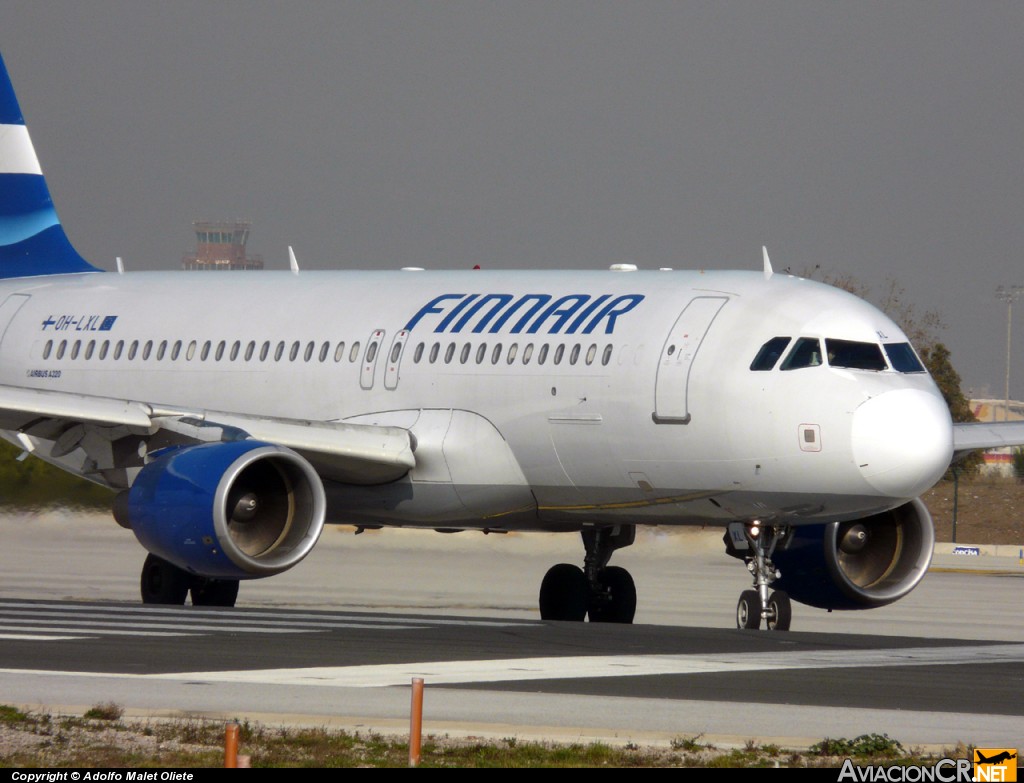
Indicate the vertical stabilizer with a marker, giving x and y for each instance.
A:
(32, 241)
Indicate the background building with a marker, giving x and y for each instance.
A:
(221, 246)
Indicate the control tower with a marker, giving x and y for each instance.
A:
(221, 246)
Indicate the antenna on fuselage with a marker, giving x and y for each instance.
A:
(120, 265)
(292, 261)
(768, 271)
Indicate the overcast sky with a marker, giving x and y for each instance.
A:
(879, 140)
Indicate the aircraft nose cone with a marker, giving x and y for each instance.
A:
(902, 441)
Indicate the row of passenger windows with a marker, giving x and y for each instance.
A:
(848, 354)
(480, 354)
(166, 350)
(177, 350)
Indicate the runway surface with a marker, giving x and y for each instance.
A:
(337, 640)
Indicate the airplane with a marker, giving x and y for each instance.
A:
(236, 415)
(996, 759)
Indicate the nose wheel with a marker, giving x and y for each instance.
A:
(774, 607)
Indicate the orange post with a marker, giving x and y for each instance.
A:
(231, 746)
(416, 722)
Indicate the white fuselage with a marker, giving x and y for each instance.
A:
(537, 400)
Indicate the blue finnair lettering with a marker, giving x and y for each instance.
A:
(529, 313)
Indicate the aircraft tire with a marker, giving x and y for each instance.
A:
(214, 592)
(564, 594)
(163, 583)
(748, 611)
(780, 611)
(622, 606)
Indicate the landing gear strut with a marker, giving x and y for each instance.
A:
(605, 593)
(761, 603)
(165, 583)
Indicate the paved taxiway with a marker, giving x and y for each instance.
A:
(337, 640)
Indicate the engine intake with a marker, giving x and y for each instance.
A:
(859, 564)
(238, 510)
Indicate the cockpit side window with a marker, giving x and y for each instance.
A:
(769, 354)
(806, 353)
(855, 355)
(903, 358)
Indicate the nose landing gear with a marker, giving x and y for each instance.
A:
(774, 607)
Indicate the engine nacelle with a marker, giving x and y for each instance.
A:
(238, 510)
(859, 564)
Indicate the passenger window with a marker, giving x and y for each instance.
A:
(606, 356)
(103, 349)
(902, 357)
(131, 351)
(574, 355)
(175, 351)
(591, 354)
(310, 347)
(47, 349)
(481, 353)
(147, 349)
(61, 348)
(396, 352)
(464, 357)
(418, 353)
(191, 352)
(279, 351)
(527, 353)
(449, 353)
(293, 354)
(75, 349)
(236, 346)
(265, 350)
(496, 354)
(769, 354)
(325, 350)
(542, 354)
(117, 349)
(339, 352)
(219, 354)
(89, 349)
(558, 354)
(512, 351)
(250, 349)
(806, 353)
(205, 352)
(161, 351)
(855, 355)
(435, 349)
(354, 353)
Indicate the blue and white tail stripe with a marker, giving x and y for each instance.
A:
(32, 241)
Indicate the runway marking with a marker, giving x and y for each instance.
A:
(38, 637)
(579, 667)
(81, 633)
(227, 615)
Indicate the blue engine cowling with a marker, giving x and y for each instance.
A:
(238, 510)
(859, 564)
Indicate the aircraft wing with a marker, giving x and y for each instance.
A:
(987, 435)
(110, 434)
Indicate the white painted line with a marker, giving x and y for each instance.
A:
(580, 667)
(281, 616)
(85, 632)
(37, 638)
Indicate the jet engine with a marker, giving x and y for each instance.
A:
(238, 510)
(858, 564)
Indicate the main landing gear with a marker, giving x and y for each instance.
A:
(774, 607)
(164, 583)
(604, 593)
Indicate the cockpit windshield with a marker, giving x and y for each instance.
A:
(854, 355)
(903, 358)
(806, 353)
(769, 354)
